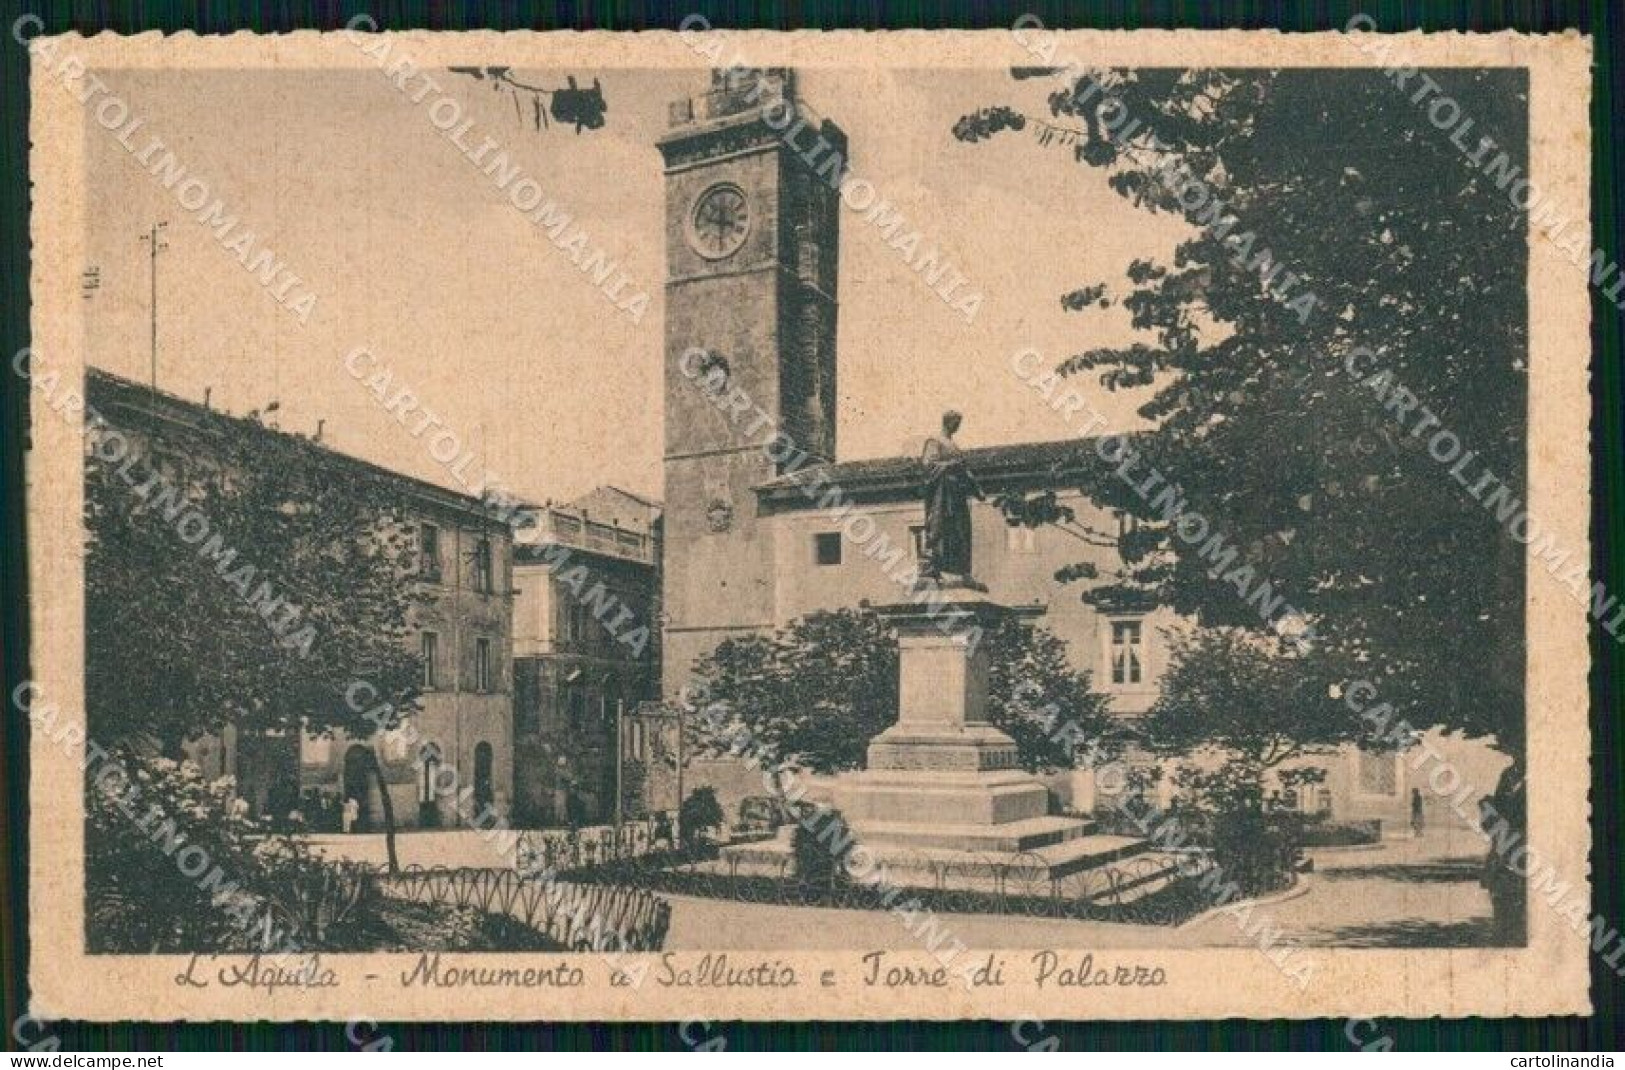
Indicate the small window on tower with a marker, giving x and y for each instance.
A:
(827, 548)
(482, 664)
(483, 574)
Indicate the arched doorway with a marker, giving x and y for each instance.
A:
(358, 785)
(484, 794)
(429, 785)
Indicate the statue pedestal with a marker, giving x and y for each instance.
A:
(943, 776)
(943, 802)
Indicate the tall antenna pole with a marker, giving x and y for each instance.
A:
(156, 244)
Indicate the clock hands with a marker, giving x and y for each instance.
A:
(720, 221)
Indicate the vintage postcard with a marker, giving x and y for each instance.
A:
(1017, 525)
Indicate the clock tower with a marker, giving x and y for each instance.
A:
(752, 216)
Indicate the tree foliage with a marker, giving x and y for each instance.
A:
(1245, 714)
(236, 575)
(1329, 222)
(136, 897)
(813, 694)
(700, 814)
(303, 584)
(1251, 700)
(570, 104)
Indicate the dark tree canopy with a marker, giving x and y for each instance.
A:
(302, 585)
(1329, 218)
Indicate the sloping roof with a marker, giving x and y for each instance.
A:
(1025, 465)
(608, 492)
(109, 391)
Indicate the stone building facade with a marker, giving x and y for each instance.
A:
(586, 655)
(458, 759)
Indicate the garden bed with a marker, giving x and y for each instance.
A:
(398, 925)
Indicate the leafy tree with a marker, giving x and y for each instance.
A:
(1039, 700)
(303, 585)
(1245, 710)
(811, 695)
(700, 811)
(816, 692)
(1332, 226)
(1251, 701)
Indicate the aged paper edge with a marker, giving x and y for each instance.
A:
(1550, 976)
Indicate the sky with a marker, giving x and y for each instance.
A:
(417, 256)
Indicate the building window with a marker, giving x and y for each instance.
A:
(1128, 652)
(484, 789)
(916, 538)
(634, 742)
(1378, 772)
(482, 664)
(827, 548)
(429, 651)
(484, 580)
(1020, 539)
(318, 750)
(429, 552)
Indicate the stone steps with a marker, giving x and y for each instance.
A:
(1089, 852)
(1151, 880)
(1028, 834)
(1112, 871)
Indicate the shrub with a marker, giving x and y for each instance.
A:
(1257, 851)
(145, 819)
(820, 845)
(173, 865)
(1342, 833)
(699, 812)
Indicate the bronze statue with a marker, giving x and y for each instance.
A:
(948, 487)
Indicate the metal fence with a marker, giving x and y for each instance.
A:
(551, 850)
(595, 916)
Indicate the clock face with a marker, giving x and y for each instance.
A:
(720, 221)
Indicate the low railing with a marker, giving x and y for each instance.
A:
(578, 916)
(551, 850)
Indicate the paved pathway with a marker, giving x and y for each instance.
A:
(439, 847)
(1402, 893)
